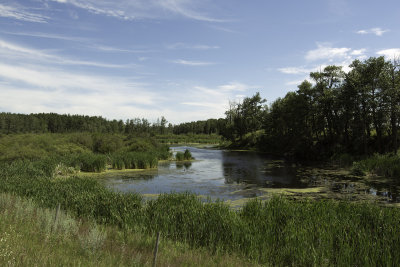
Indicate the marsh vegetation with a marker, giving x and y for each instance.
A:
(345, 122)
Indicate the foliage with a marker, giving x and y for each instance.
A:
(352, 113)
(90, 162)
(134, 160)
(187, 155)
(30, 235)
(384, 165)
(277, 232)
(179, 156)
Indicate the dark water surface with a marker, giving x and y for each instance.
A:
(232, 175)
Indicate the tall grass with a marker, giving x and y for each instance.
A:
(134, 160)
(277, 232)
(30, 236)
(384, 165)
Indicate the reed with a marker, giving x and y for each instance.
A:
(275, 232)
(387, 165)
(134, 160)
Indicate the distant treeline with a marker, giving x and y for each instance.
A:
(11, 123)
(356, 113)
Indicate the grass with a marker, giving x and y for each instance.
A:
(29, 235)
(387, 165)
(275, 232)
(134, 160)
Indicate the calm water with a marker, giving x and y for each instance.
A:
(233, 175)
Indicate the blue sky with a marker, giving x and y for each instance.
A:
(182, 59)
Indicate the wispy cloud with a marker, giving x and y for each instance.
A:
(195, 47)
(392, 53)
(106, 48)
(234, 86)
(213, 101)
(377, 31)
(134, 9)
(21, 13)
(49, 36)
(36, 88)
(192, 63)
(223, 29)
(14, 51)
(295, 70)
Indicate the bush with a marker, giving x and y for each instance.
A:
(179, 156)
(357, 169)
(107, 143)
(187, 155)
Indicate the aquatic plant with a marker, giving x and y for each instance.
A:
(179, 156)
(276, 232)
(134, 160)
(187, 155)
(385, 165)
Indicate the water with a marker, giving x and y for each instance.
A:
(232, 175)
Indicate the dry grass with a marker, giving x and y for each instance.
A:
(28, 237)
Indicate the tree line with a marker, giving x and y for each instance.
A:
(11, 123)
(356, 112)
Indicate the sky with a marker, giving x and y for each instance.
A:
(181, 59)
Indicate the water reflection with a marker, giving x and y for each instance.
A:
(259, 169)
(185, 165)
(234, 175)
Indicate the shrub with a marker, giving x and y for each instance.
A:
(357, 169)
(187, 155)
(107, 143)
(179, 156)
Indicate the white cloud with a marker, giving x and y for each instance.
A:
(192, 63)
(211, 102)
(106, 48)
(49, 36)
(325, 55)
(196, 47)
(358, 52)
(377, 31)
(133, 9)
(15, 51)
(36, 88)
(295, 70)
(20, 13)
(234, 86)
(48, 78)
(325, 52)
(392, 53)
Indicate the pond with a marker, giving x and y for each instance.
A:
(237, 175)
